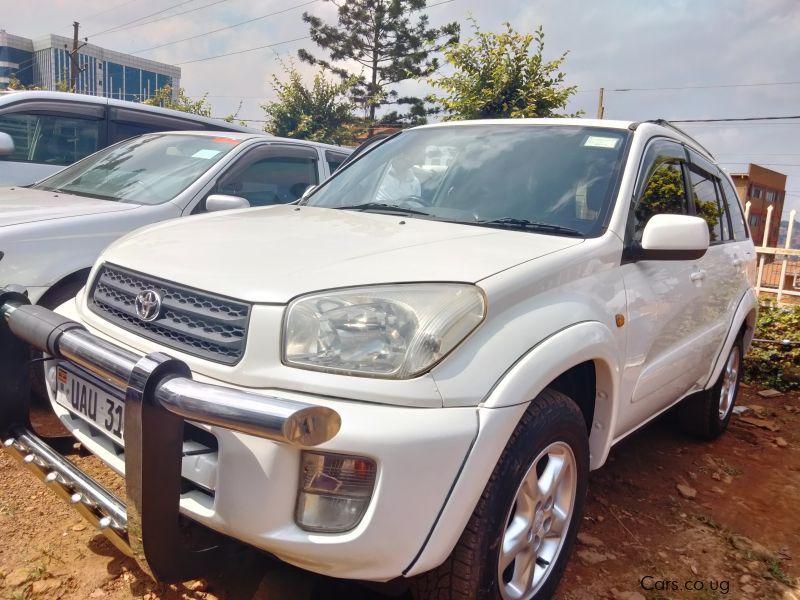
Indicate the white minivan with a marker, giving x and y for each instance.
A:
(51, 130)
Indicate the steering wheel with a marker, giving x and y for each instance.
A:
(140, 186)
(413, 201)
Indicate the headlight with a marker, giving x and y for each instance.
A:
(393, 331)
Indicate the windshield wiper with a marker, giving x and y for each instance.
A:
(526, 225)
(383, 207)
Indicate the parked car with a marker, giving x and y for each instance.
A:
(51, 232)
(411, 373)
(50, 130)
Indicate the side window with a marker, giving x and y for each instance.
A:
(51, 139)
(661, 188)
(271, 180)
(122, 131)
(735, 208)
(125, 123)
(334, 159)
(724, 218)
(706, 203)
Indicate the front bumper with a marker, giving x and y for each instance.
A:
(256, 473)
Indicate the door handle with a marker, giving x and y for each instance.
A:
(698, 275)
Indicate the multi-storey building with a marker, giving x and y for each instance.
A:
(763, 188)
(45, 63)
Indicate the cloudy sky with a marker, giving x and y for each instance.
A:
(676, 59)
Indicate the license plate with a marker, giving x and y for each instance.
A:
(91, 403)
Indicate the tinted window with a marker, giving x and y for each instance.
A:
(706, 204)
(123, 131)
(661, 188)
(150, 169)
(735, 208)
(334, 159)
(271, 180)
(51, 139)
(125, 123)
(546, 175)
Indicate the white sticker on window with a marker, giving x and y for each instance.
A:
(205, 153)
(596, 141)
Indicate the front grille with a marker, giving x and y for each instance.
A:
(190, 320)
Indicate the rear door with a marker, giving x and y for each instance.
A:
(720, 267)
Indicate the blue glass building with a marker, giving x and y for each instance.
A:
(45, 63)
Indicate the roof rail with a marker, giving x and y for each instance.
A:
(665, 123)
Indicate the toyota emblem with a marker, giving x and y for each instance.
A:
(148, 305)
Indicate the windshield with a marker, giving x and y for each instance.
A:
(546, 178)
(151, 169)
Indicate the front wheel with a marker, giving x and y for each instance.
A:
(707, 414)
(518, 540)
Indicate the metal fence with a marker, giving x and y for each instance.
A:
(778, 268)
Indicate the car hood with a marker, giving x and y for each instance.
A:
(22, 205)
(273, 254)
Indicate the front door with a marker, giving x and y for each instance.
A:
(663, 297)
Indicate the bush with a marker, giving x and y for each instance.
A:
(775, 365)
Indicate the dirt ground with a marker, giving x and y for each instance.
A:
(667, 517)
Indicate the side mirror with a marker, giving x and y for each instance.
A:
(6, 144)
(674, 237)
(217, 202)
(308, 191)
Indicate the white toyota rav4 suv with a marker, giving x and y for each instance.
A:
(410, 373)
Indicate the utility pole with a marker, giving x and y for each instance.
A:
(600, 107)
(73, 57)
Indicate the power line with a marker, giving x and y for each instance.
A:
(760, 154)
(107, 10)
(733, 119)
(703, 87)
(196, 60)
(305, 37)
(124, 25)
(193, 37)
(728, 162)
(689, 87)
(129, 26)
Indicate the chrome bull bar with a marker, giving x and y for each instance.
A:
(159, 395)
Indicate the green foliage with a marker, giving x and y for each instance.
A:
(664, 191)
(16, 84)
(320, 113)
(163, 97)
(773, 365)
(500, 75)
(378, 35)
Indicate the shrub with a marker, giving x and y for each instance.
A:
(775, 365)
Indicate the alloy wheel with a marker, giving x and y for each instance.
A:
(537, 523)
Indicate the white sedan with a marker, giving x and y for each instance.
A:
(52, 231)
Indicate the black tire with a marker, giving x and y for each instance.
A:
(703, 415)
(472, 572)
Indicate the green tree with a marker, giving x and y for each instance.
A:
(380, 36)
(320, 113)
(16, 84)
(502, 75)
(163, 97)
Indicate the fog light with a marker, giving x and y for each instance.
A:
(335, 490)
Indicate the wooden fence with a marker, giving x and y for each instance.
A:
(778, 268)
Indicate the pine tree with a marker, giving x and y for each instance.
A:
(386, 39)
